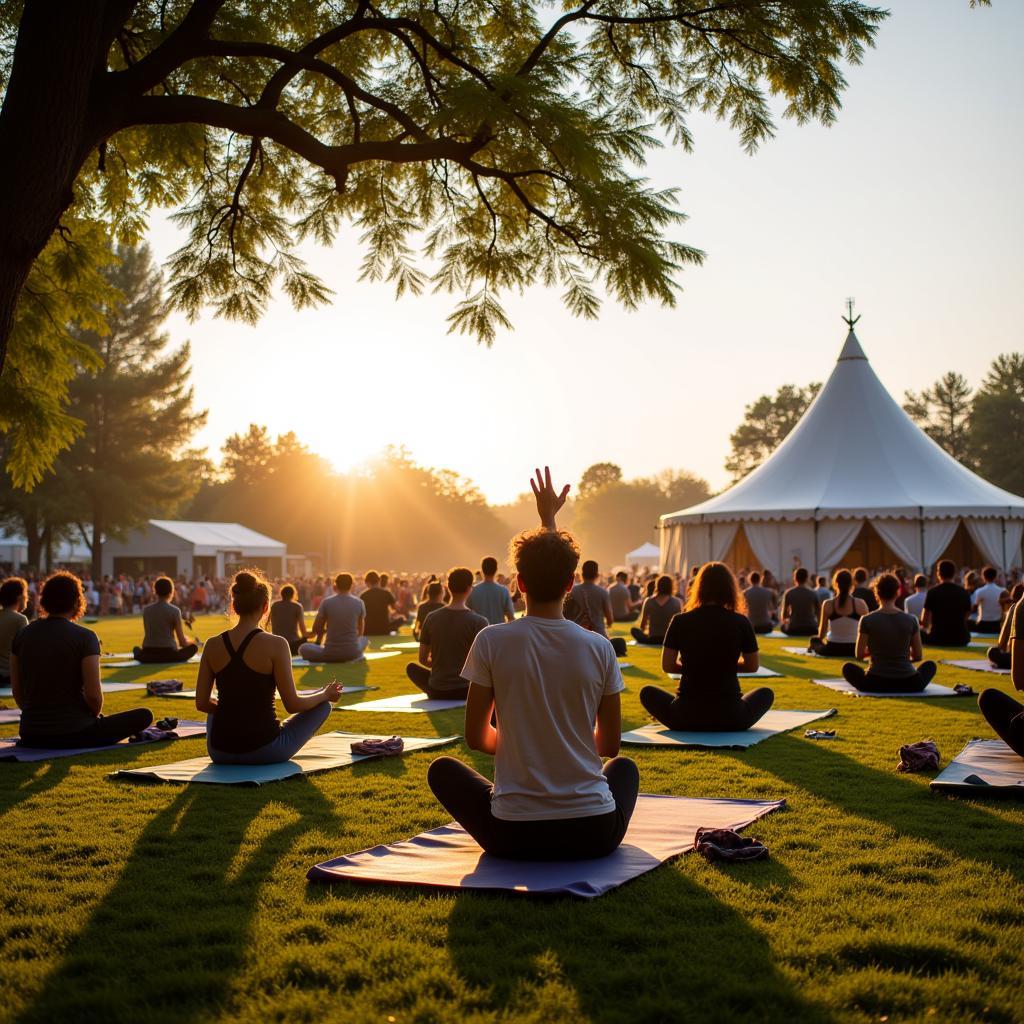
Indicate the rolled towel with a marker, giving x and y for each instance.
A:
(382, 748)
(726, 845)
(158, 687)
(918, 757)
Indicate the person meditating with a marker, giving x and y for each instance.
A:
(490, 598)
(658, 611)
(999, 654)
(707, 644)
(891, 639)
(760, 602)
(989, 602)
(445, 640)
(163, 637)
(589, 606)
(378, 602)
(799, 607)
(434, 600)
(55, 677)
(549, 681)
(840, 615)
(946, 610)
(248, 665)
(288, 619)
(342, 617)
(1001, 711)
(13, 602)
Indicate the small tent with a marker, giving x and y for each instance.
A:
(647, 555)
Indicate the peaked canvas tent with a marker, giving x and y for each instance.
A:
(855, 458)
(647, 554)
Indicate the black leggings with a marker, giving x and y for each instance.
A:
(999, 657)
(868, 682)
(1005, 716)
(763, 628)
(831, 649)
(421, 677)
(798, 630)
(105, 731)
(466, 795)
(643, 638)
(164, 655)
(689, 714)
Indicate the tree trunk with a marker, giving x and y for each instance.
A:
(46, 132)
(97, 547)
(48, 547)
(33, 540)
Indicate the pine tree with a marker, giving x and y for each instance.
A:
(943, 411)
(997, 423)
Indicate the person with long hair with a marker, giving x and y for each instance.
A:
(840, 615)
(658, 611)
(248, 665)
(890, 639)
(708, 644)
(55, 676)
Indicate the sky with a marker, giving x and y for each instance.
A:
(911, 204)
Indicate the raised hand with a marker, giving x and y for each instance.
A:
(549, 501)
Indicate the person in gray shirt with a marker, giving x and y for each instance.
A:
(624, 608)
(892, 640)
(760, 605)
(590, 606)
(445, 640)
(489, 598)
(658, 612)
(342, 617)
(13, 602)
(800, 607)
(163, 638)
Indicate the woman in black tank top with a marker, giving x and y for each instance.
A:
(248, 666)
(837, 630)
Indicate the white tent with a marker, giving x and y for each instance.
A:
(854, 458)
(647, 554)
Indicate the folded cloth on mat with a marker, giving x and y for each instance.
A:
(449, 858)
(9, 716)
(191, 694)
(162, 687)
(385, 747)
(978, 665)
(367, 656)
(771, 724)
(922, 756)
(328, 750)
(726, 845)
(842, 686)
(10, 752)
(105, 687)
(803, 652)
(983, 766)
(406, 703)
(761, 673)
(130, 662)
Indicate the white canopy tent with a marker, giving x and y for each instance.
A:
(854, 458)
(647, 554)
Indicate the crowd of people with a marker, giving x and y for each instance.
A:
(531, 657)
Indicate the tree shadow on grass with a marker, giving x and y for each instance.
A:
(893, 800)
(661, 948)
(21, 782)
(166, 941)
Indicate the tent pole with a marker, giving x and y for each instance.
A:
(816, 567)
(920, 520)
(1002, 522)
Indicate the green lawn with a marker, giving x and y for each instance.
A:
(129, 902)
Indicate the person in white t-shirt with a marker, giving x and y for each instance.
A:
(990, 602)
(548, 681)
(913, 604)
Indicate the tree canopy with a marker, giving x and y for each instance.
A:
(767, 422)
(943, 411)
(475, 147)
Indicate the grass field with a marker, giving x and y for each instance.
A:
(881, 901)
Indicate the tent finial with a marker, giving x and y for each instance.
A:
(850, 319)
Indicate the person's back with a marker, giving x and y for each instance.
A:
(423, 611)
(710, 640)
(659, 613)
(622, 603)
(160, 622)
(491, 600)
(592, 607)
(862, 590)
(246, 716)
(889, 636)
(13, 601)
(948, 607)
(342, 613)
(914, 603)
(988, 601)
(450, 632)
(760, 605)
(286, 619)
(800, 607)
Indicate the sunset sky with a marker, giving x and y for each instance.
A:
(911, 204)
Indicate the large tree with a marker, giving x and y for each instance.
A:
(502, 139)
(943, 411)
(133, 459)
(767, 422)
(997, 423)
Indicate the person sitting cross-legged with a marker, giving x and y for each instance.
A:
(760, 602)
(800, 607)
(891, 639)
(624, 608)
(163, 638)
(658, 612)
(288, 619)
(445, 640)
(435, 600)
(13, 602)
(1001, 711)
(247, 666)
(549, 681)
(999, 654)
(490, 598)
(837, 633)
(589, 606)
(946, 611)
(378, 602)
(708, 644)
(55, 677)
(990, 602)
(342, 617)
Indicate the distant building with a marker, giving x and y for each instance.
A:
(193, 549)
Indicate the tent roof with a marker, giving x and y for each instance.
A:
(217, 535)
(855, 453)
(647, 550)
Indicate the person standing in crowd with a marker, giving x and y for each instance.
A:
(489, 598)
(799, 607)
(13, 602)
(760, 604)
(946, 611)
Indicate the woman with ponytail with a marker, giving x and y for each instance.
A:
(840, 617)
(248, 665)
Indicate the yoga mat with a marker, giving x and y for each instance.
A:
(328, 750)
(368, 656)
(449, 858)
(105, 687)
(191, 694)
(10, 715)
(761, 673)
(132, 663)
(842, 686)
(405, 645)
(10, 752)
(771, 724)
(406, 703)
(978, 665)
(983, 766)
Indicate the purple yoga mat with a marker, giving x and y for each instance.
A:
(447, 857)
(9, 751)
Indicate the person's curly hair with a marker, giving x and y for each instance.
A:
(546, 560)
(61, 594)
